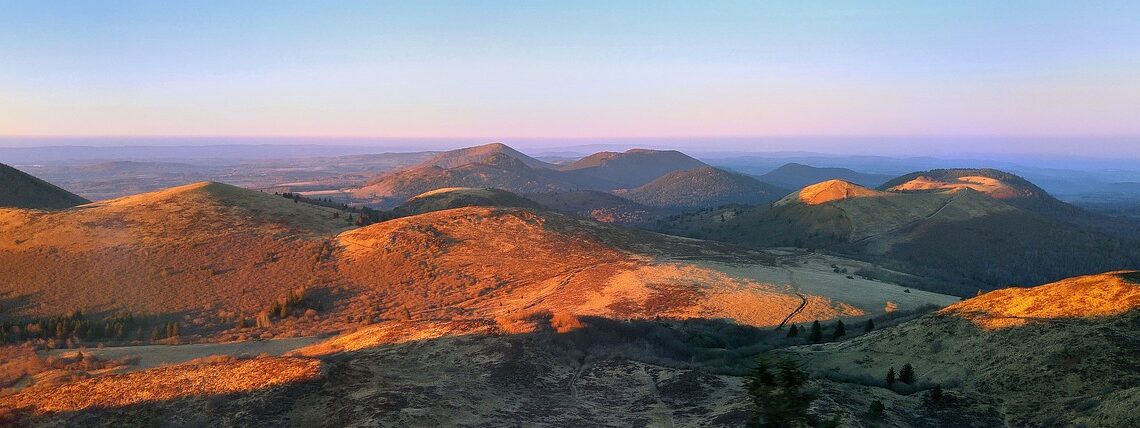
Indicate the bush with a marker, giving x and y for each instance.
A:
(875, 411)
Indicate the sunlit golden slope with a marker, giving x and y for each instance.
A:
(828, 191)
(190, 380)
(1090, 296)
(197, 248)
(211, 255)
(1060, 354)
(486, 262)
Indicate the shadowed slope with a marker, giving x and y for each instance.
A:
(458, 197)
(796, 176)
(601, 206)
(21, 190)
(633, 168)
(703, 187)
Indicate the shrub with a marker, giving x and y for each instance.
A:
(875, 411)
(564, 322)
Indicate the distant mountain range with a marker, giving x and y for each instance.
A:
(796, 176)
(499, 166)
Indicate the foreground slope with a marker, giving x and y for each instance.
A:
(1061, 354)
(482, 262)
(215, 257)
(190, 248)
(21, 190)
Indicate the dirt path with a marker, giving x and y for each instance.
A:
(803, 299)
(908, 224)
(661, 412)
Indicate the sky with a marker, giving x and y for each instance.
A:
(1055, 70)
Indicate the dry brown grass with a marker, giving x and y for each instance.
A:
(196, 379)
(191, 249)
(565, 322)
(1089, 296)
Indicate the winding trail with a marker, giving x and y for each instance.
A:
(803, 299)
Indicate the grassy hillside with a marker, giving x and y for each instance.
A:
(601, 206)
(458, 197)
(196, 249)
(634, 167)
(1060, 354)
(703, 187)
(962, 239)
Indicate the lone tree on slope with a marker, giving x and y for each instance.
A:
(840, 330)
(816, 334)
(777, 394)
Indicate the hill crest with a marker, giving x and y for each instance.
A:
(829, 191)
(701, 187)
(486, 153)
(1090, 296)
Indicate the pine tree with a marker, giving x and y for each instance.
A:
(840, 330)
(794, 331)
(935, 394)
(816, 334)
(869, 325)
(906, 375)
(777, 394)
(875, 411)
(891, 376)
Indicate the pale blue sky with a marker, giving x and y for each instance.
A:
(501, 69)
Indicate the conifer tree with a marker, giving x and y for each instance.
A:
(906, 375)
(794, 331)
(816, 334)
(840, 330)
(869, 325)
(875, 411)
(891, 376)
(935, 394)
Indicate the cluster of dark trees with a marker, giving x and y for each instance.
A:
(815, 334)
(293, 303)
(77, 325)
(906, 375)
(360, 216)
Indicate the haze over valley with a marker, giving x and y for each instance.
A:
(667, 214)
